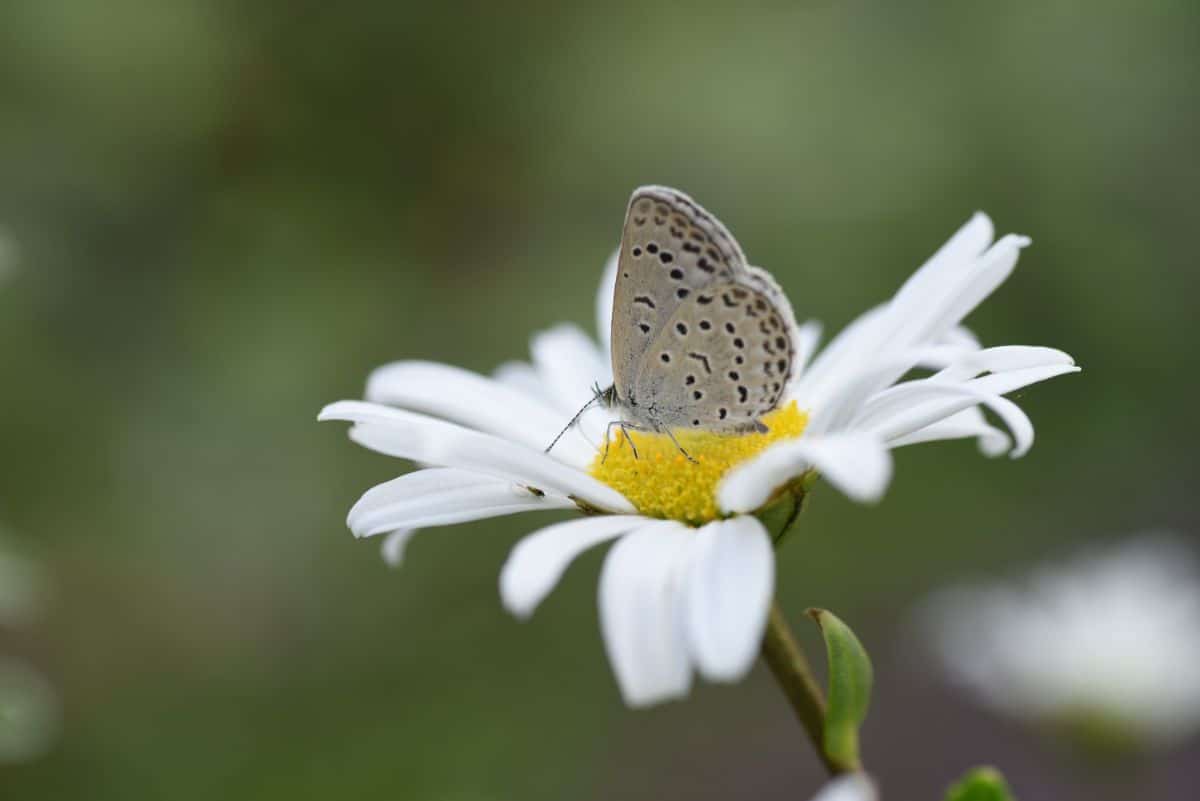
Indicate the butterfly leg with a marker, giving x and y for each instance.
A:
(671, 435)
(608, 439)
(624, 426)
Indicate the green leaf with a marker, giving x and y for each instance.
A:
(981, 784)
(850, 680)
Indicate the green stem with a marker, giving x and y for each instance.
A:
(795, 676)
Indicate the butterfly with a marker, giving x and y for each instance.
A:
(700, 339)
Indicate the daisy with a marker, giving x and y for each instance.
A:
(1107, 645)
(689, 582)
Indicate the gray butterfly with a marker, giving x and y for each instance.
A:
(700, 339)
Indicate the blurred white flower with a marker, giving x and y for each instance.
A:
(851, 787)
(688, 585)
(1107, 645)
(29, 712)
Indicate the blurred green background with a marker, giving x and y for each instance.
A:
(228, 212)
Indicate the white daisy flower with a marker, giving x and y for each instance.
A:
(688, 584)
(1107, 645)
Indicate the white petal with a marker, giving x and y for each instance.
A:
(851, 787)
(846, 352)
(412, 436)
(845, 400)
(474, 401)
(392, 549)
(1002, 359)
(992, 270)
(967, 244)
(914, 405)
(1012, 380)
(573, 447)
(856, 463)
(807, 337)
(873, 333)
(521, 377)
(967, 423)
(1022, 366)
(962, 337)
(641, 613)
(604, 302)
(439, 497)
(917, 404)
(539, 560)
(927, 319)
(730, 583)
(571, 367)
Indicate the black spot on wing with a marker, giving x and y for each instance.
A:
(700, 357)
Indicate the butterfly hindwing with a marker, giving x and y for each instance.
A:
(723, 360)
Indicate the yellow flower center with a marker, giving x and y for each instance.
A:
(661, 482)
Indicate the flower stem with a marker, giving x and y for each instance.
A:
(795, 675)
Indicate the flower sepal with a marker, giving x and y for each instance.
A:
(780, 514)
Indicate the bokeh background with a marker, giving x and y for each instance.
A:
(227, 213)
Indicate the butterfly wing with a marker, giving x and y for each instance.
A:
(723, 360)
(699, 339)
(670, 249)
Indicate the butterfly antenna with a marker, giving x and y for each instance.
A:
(598, 397)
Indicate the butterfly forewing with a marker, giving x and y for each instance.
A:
(670, 248)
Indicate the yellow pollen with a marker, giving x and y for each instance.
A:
(661, 482)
